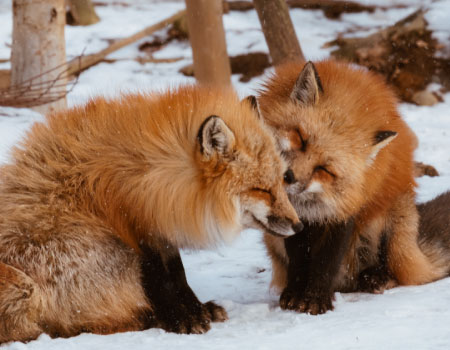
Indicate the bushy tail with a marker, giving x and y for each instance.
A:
(434, 231)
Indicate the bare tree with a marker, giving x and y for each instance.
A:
(81, 12)
(38, 48)
(207, 37)
(278, 30)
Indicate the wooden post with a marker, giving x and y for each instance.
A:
(278, 30)
(38, 47)
(207, 37)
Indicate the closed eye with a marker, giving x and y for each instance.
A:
(323, 168)
(262, 190)
(302, 141)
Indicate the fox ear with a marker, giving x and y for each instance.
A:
(381, 140)
(214, 136)
(308, 87)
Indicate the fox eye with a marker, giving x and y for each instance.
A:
(297, 140)
(324, 169)
(264, 192)
(257, 189)
(303, 142)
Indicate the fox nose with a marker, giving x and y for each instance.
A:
(289, 177)
(298, 227)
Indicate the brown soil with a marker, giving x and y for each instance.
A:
(404, 53)
(332, 9)
(421, 169)
(249, 65)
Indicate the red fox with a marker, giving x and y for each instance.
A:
(98, 199)
(351, 182)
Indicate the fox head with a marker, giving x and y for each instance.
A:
(240, 160)
(335, 125)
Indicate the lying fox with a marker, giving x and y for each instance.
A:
(352, 184)
(97, 201)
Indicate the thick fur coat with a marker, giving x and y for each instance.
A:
(97, 200)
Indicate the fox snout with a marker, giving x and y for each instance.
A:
(283, 226)
(283, 220)
(295, 184)
(289, 177)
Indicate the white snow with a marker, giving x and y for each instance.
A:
(238, 276)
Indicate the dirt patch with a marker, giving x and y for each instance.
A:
(249, 65)
(331, 8)
(421, 169)
(404, 53)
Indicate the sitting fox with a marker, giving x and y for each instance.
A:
(352, 184)
(97, 201)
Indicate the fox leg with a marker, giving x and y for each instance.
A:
(406, 261)
(298, 250)
(315, 256)
(175, 305)
(280, 261)
(377, 278)
(19, 305)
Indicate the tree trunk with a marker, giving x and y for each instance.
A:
(278, 30)
(38, 53)
(81, 13)
(207, 37)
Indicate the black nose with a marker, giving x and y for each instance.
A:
(298, 227)
(289, 177)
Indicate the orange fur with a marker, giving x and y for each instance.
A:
(90, 185)
(372, 185)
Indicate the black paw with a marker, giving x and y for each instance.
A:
(375, 280)
(313, 303)
(191, 318)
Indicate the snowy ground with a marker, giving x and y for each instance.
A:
(238, 276)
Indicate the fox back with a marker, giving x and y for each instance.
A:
(140, 161)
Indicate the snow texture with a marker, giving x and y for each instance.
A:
(238, 276)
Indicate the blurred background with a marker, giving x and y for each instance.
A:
(86, 47)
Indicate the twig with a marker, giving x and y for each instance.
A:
(143, 60)
(90, 60)
(31, 92)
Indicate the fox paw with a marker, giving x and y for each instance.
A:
(192, 319)
(375, 280)
(310, 302)
(216, 312)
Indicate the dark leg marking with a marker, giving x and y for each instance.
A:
(375, 279)
(176, 308)
(315, 255)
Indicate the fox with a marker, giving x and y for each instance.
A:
(97, 200)
(351, 181)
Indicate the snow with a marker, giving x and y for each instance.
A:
(238, 276)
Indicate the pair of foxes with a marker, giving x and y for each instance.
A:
(97, 201)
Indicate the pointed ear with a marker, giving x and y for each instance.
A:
(214, 136)
(381, 140)
(253, 102)
(308, 87)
